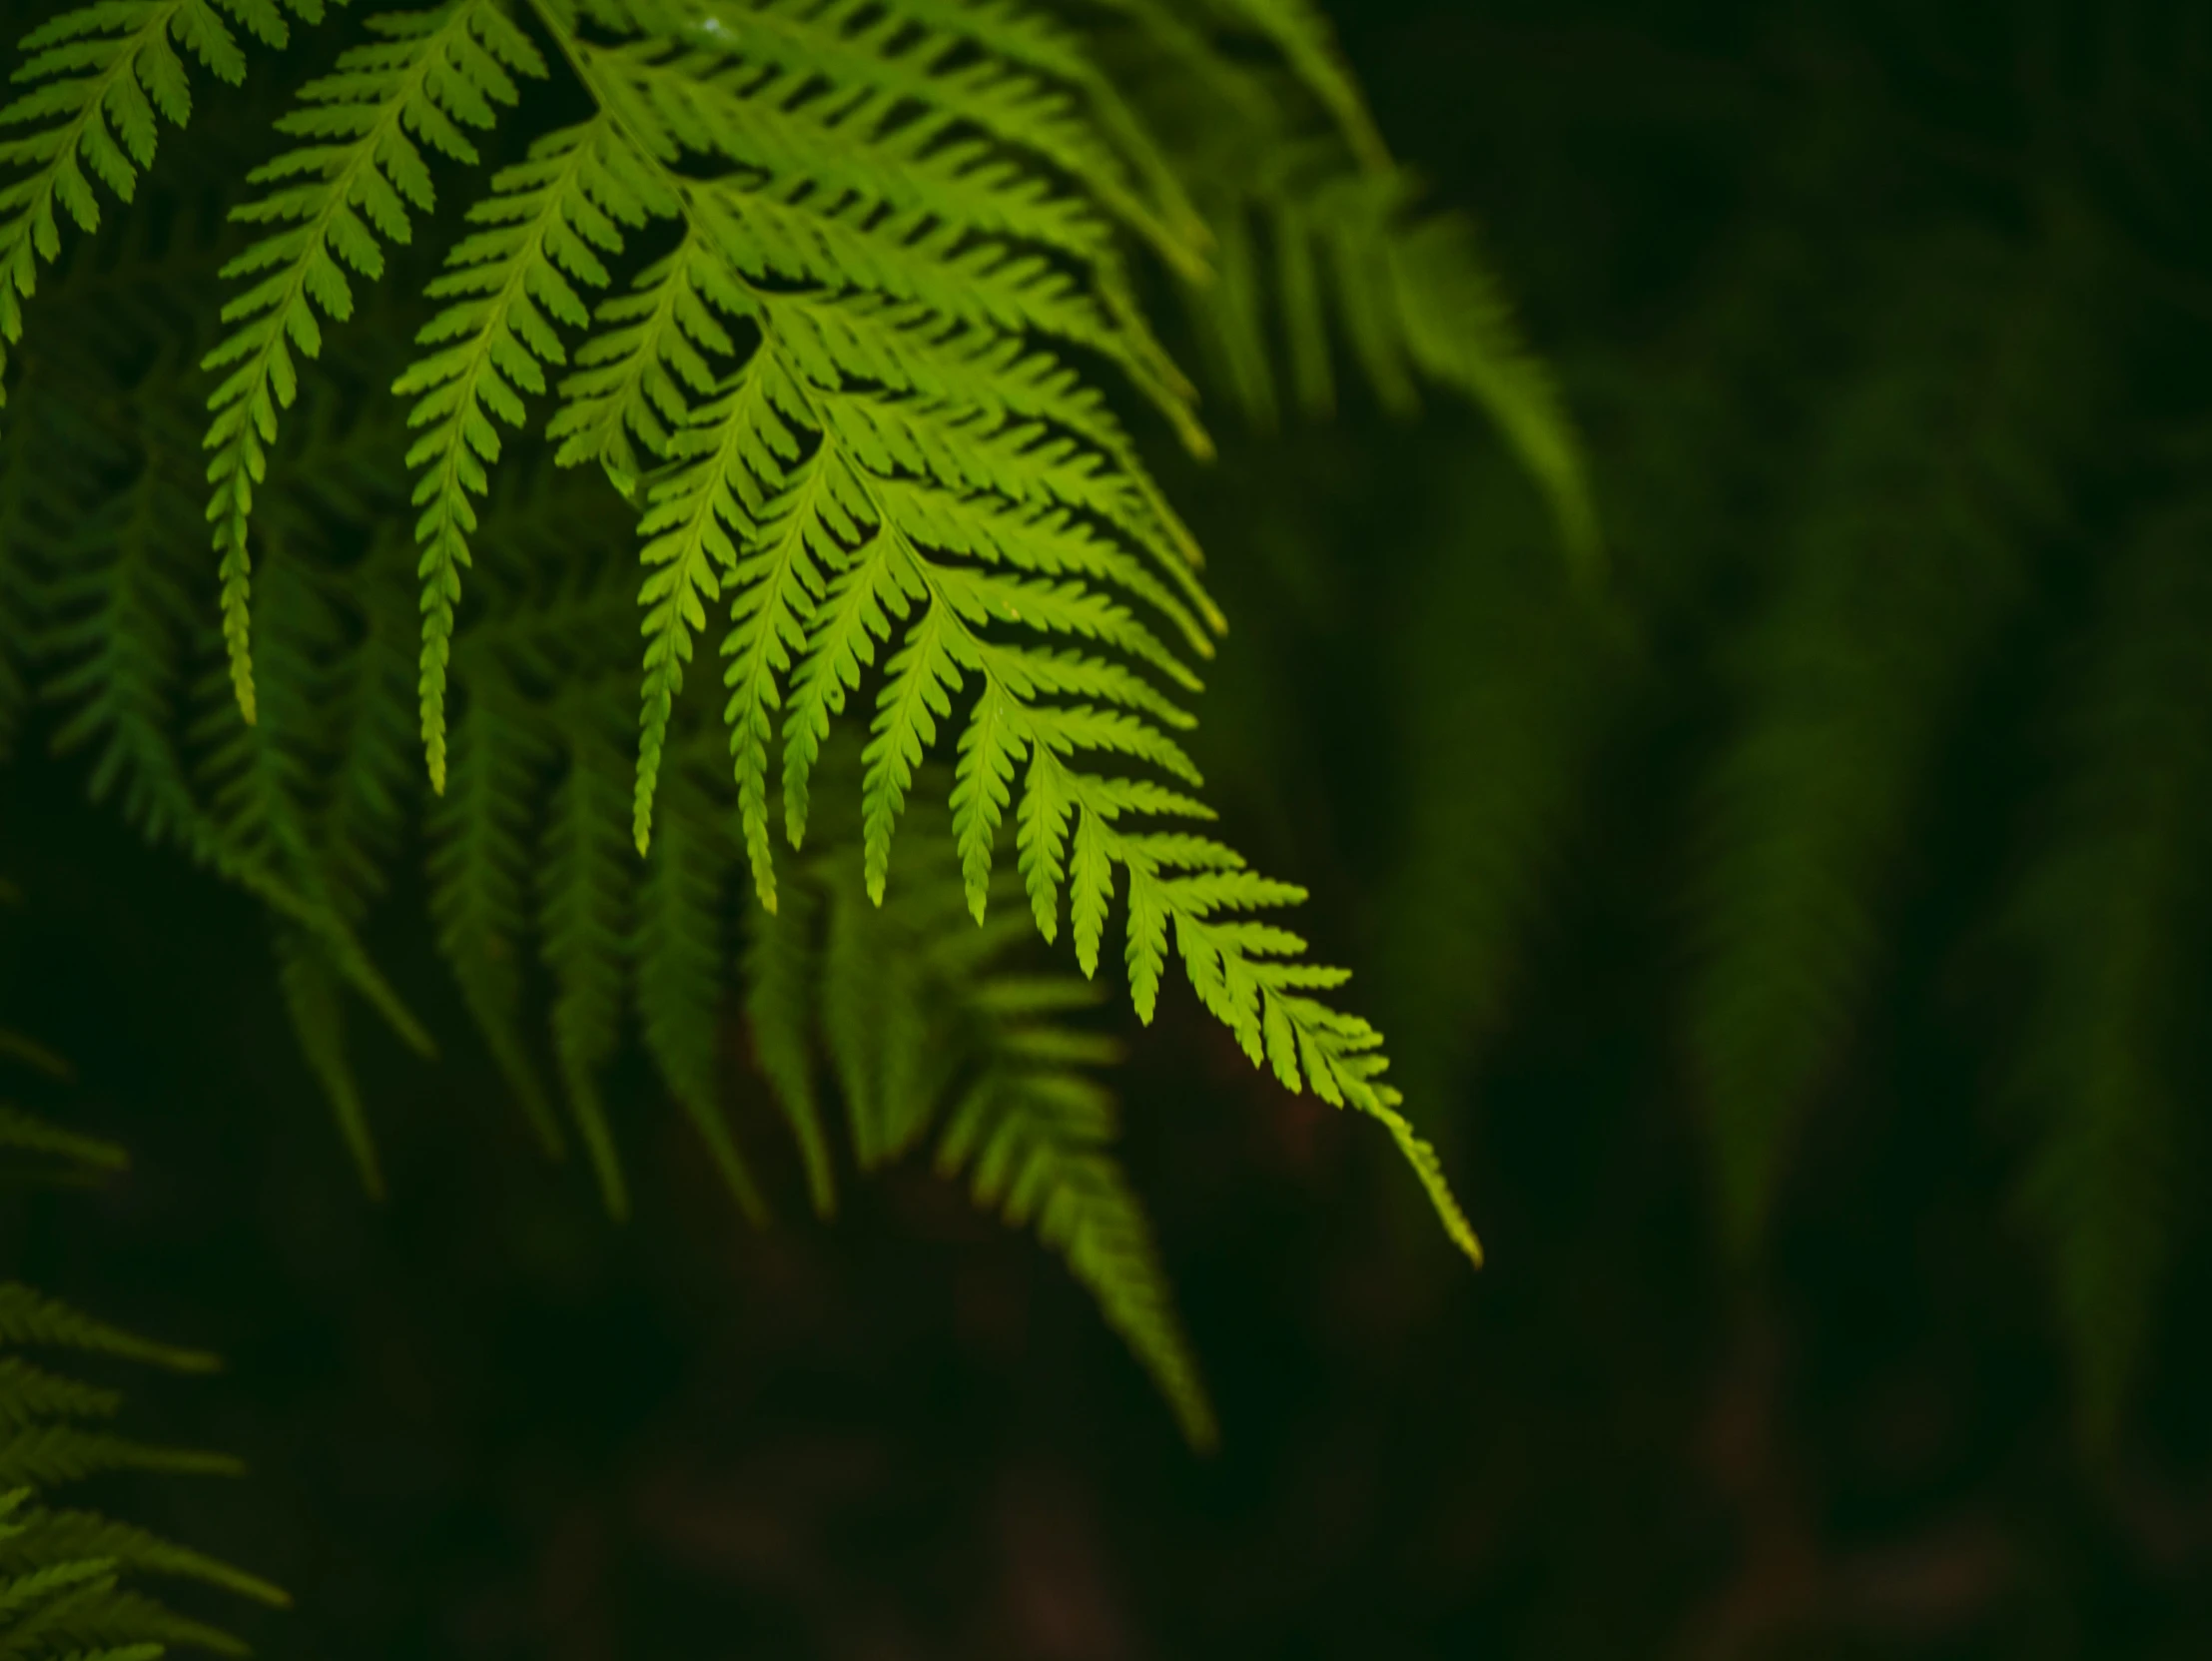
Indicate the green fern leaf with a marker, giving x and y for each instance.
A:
(919, 683)
(584, 908)
(111, 73)
(730, 457)
(635, 378)
(25, 1133)
(478, 861)
(679, 977)
(319, 1020)
(545, 227)
(29, 1393)
(991, 751)
(1299, 30)
(780, 972)
(1034, 1139)
(48, 1455)
(51, 1538)
(776, 587)
(28, 1318)
(354, 182)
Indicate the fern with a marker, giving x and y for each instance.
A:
(547, 222)
(2109, 915)
(841, 299)
(1503, 658)
(433, 73)
(63, 1573)
(930, 1028)
(1320, 234)
(1855, 670)
(105, 76)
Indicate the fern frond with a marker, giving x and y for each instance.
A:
(50, 1538)
(261, 799)
(1321, 235)
(433, 73)
(95, 1618)
(1245, 973)
(723, 455)
(1032, 1140)
(25, 1318)
(479, 863)
(366, 734)
(680, 957)
(931, 1026)
(546, 225)
(1299, 30)
(1856, 669)
(779, 583)
(29, 1393)
(1502, 658)
(117, 630)
(106, 76)
(312, 1001)
(1025, 39)
(1460, 332)
(856, 400)
(780, 998)
(48, 1455)
(635, 378)
(584, 908)
(2109, 915)
(1025, 91)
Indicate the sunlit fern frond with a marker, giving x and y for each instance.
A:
(841, 299)
(334, 199)
(101, 79)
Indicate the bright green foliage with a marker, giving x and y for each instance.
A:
(102, 77)
(430, 74)
(840, 298)
(547, 222)
(67, 1579)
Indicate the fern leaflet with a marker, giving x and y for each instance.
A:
(111, 72)
(433, 73)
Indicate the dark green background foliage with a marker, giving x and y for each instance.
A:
(1793, 939)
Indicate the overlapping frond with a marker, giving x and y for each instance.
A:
(863, 313)
(102, 78)
(548, 225)
(1323, 244)
(352, 183)
(936, 1032)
